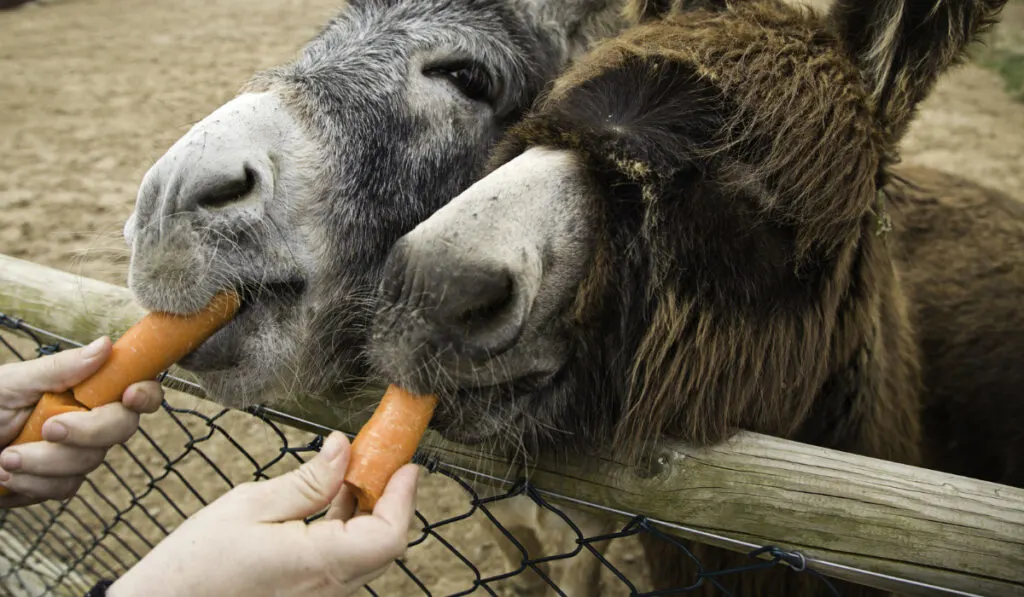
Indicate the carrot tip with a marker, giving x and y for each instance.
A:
(365, 501)
(386, 442)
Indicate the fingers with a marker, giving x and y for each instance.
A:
(11, 422)
(41, 470)
(46, 459)
(100, 427)
(397, 505)
(52, 470)
(299, 493)
(381, 537)
(22, 383)
(343, 506)
(144, 397)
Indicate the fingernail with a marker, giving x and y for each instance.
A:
(54, 431)
(332, 448)
(11, 461)
(137, 396)
(93, 349)
(4, 476)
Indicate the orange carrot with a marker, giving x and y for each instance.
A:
(151, 346)
(50, 405)
(148, 348)
(386, 442)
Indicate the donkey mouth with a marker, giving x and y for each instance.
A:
(470, 425)
(262, 304)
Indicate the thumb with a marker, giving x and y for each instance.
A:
(24, 382)
(302, 492)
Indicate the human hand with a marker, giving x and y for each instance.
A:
(74, 443)
(253, 541)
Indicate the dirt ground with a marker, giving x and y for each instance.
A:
(93, 91)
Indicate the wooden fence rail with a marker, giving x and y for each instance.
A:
(861, 519)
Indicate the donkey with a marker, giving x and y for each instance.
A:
(701, 228)
(294, 191)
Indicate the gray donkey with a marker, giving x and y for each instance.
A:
(294, 191)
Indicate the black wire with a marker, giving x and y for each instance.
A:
(116, 521)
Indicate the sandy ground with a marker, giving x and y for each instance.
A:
(93, 91)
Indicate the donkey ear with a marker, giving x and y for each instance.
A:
(902, 46)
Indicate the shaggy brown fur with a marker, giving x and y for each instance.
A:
(959, 248)
(742, 150)
(775, 139)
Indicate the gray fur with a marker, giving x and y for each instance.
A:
(529, 218)
(352, 145)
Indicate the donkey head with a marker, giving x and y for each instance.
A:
(681, 236)
(293, 192)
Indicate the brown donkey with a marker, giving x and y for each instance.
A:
(700, 229)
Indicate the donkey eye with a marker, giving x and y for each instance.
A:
(471, 79)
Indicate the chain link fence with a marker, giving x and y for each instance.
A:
(192, 451)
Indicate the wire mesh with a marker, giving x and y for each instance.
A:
(192, 451)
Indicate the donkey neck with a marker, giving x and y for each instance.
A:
(871, 399)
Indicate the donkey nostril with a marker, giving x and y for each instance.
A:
(220, 192)
(493, 296)
(437, 301)
(478, 308)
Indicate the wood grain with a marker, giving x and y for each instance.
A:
(846, 513)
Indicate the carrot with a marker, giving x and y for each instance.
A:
(386, 442)
(148, 348)
(50, 405)
(151, 346)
